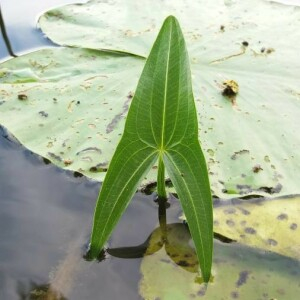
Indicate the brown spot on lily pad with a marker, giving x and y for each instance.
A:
(272, 242)
(230, 223)
(250, 230)
(238, 153)
(282, 216)
(271, 190)
(243, 277)
(257, 168)
(183, 263)
(231, 88)
(22, 97)
(293, 226)
(68, 162)
(54, 156)
(270, 50)
(188, 255)
(244, 211)
(202, 292)
(229, 211)
(96, 169)
(43, 114)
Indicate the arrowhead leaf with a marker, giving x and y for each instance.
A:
(161, 123)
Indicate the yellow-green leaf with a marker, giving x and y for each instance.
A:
(271, 225)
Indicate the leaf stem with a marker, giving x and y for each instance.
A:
(162, 218)
(161, 189)
(5, 36)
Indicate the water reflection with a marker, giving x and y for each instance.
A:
(175, 238)
(45, 222)
(34, 291)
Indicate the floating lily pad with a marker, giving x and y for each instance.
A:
(246, 83)
(135, 24)
(170, 272)
(271, 225)
(68, 105)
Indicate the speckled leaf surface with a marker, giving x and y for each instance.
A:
(251, 139)
(68, 105)
(134, 24)
(271, 225)
(239, 272)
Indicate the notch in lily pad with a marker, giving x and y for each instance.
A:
(161, 126)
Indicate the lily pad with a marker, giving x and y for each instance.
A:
(245, 75)
(228, 41)
(134, 24)
(170, 272)
(271, 225)
(68, 105)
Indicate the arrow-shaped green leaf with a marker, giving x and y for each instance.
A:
(161, 123)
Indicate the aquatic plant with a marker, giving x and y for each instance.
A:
(161, 125)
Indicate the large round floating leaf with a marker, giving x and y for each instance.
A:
(169, 271)
(272, 225)
(246, 74)
(131, 26)
(68, 105)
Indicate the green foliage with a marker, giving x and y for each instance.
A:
(161, 124)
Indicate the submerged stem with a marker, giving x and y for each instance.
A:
(162, 218)
(161, 188)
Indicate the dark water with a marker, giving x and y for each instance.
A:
(20, 19)
(45, 219)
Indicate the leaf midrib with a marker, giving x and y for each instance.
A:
(162, 148)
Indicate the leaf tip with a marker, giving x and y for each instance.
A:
(171, 19)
